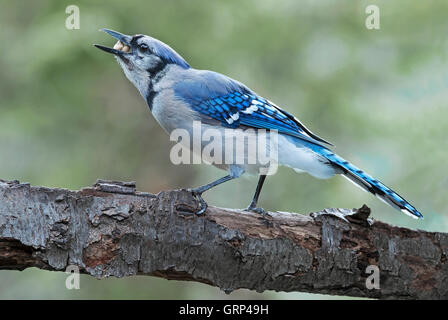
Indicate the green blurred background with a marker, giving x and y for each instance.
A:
(69, 116)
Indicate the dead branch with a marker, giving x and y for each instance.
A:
(112, 230)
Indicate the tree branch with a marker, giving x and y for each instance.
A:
(112, 230)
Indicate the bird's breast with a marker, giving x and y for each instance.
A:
(172, 113)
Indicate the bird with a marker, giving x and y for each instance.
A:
(179, 95)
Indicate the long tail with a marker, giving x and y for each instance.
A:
(368, 183)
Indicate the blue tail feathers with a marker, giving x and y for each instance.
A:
(368, 183)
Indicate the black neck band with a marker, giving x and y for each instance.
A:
(156, 69)
(156, 74)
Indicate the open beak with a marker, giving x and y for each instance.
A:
(121, 48)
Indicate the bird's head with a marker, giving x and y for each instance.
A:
(142, 57)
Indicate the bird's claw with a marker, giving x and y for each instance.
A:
(256, 210)
(198, 196)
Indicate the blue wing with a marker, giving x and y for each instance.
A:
(233, 104)
(236, 108)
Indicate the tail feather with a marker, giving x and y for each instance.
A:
(369, 184)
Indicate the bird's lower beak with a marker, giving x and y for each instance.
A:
(121, 48)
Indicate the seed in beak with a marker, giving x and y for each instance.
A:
(118, 46)
(126, 49)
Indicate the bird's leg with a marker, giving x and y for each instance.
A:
(253, 204)
(197, 192)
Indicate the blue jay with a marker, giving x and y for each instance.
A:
(178, 95)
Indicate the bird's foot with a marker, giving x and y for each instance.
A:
(265, 217)
(253, 208)
(197, 194)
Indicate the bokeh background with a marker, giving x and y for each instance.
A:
(69, 116)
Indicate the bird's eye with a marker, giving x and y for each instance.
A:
(143, 48)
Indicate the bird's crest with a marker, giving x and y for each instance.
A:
(166, 52)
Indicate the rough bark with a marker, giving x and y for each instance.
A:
(112, 230)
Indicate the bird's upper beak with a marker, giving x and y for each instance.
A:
(122, 48)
